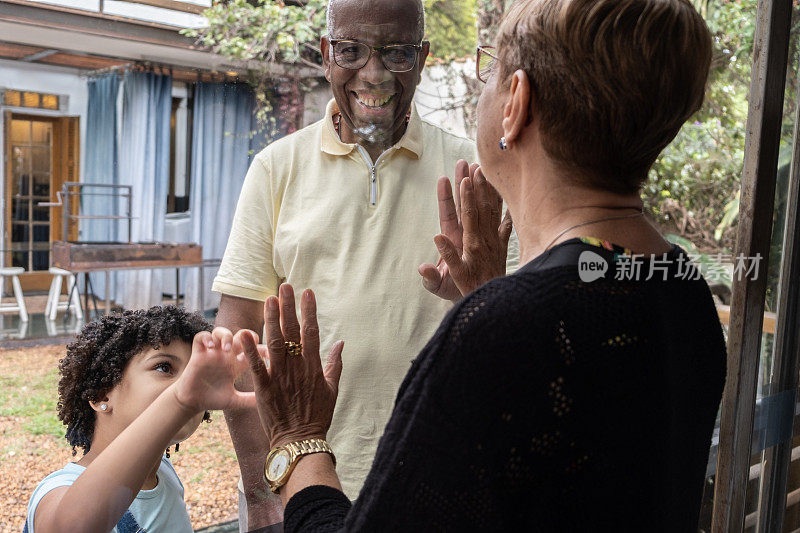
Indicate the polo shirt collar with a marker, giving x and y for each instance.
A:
(331, 144)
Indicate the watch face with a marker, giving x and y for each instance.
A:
(278, 464)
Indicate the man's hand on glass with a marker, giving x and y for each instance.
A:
(473, 244)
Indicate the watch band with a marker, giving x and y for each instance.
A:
(295, 451)
(305, 447)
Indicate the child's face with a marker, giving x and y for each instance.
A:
(147, 375)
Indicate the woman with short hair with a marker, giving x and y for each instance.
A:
(579, 393)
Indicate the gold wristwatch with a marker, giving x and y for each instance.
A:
(282, 460)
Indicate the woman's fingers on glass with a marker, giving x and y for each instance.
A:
(498, 200)
(478, 188)
(263, 352)
(237, 345)
(488, 219)
(247, 341)
(506, 227)
(290, 325)
(309, 333)
(469, 213)
(431, 277)
(274, 335)
(333, 367)
(462, 171)
(472, 169)
(239, 363)
(444, 195)
(448, 215)
(449, 254)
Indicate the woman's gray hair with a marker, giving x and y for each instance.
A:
(417, 4)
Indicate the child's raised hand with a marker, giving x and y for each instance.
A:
(208, 380)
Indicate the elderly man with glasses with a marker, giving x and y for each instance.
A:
(348, 206)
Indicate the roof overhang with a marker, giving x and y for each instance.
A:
(56, 32)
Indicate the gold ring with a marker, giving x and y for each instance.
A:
(293, 348)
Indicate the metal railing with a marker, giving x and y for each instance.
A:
(64, 201)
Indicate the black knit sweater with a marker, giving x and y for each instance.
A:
(545, 403)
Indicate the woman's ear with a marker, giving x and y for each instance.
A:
(101, 406)
(515, 113)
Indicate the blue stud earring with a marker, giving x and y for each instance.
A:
(503, 144)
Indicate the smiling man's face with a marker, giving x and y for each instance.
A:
(373, 101)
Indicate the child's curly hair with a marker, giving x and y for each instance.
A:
(96, 360)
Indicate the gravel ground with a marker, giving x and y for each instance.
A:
(206, 463)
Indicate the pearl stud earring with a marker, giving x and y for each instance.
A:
(103, 407)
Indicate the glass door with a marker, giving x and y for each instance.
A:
(41, 153)
(30, 180)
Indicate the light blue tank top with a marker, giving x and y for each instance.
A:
(153, 511)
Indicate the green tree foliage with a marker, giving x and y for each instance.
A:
(490, 14)
(451, 28)
(693, 186)
(276, 32)
(276, 39)
(266, 31)
(699, 173)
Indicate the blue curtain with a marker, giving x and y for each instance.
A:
(223, 145)
(101, 162)
(144, 164)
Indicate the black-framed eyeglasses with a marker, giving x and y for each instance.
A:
(485, 62)
(353, 55)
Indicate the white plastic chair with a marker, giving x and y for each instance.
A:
(19, 307)
(54, 301)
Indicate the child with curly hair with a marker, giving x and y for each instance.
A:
(131, 385)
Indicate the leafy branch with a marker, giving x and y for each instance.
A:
(276, 37)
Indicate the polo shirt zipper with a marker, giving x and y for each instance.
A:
(373, 186)
(373, 170)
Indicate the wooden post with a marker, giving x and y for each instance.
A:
(755, 229)
(776, 460)
(6, 188)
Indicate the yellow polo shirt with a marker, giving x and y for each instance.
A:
(315, 213)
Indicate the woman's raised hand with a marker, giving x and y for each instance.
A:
(207, 382)
(473, 243)
(294, 395)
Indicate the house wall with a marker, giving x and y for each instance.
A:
(46, 79)
(440, 93)
(315, 102)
